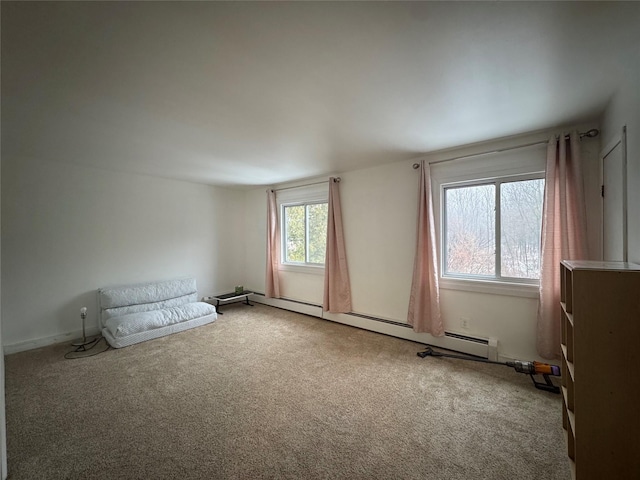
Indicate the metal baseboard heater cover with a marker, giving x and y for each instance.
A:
(482, 347)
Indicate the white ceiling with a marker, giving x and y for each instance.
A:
(260, 93)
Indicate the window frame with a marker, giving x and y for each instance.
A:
(283, 252)
(296, 196)
(474, 169)
(497, 182)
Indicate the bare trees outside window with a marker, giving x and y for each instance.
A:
(521, 224)
(492, 230)
(470, 231)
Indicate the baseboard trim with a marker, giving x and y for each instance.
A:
(452, 341)
(46, 341)
(289, 304)
(485, 348)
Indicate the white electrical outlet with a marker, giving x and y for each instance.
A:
(464, 323)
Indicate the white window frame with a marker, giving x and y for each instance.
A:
(497, 183)
(520, 164)
(306, 195)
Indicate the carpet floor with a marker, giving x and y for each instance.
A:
(264, 393)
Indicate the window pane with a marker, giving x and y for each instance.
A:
(470, 230)
(294, 233)
(520, 225)
(317, 225)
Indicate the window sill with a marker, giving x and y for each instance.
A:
(493, 288)
(288, 267)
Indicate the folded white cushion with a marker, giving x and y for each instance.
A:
(113, 297)
(145, 307)
(131, 323)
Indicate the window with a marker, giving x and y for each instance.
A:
(304, 233)
(488, 213)
(491, 229)
(303, 213)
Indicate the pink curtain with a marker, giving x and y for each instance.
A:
(564, 234)
(424, 303)
(272, 283)
(337, 290)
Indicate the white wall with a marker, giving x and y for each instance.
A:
(624, 109)
(379, 210)
(68, 230)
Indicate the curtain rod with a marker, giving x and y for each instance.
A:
(335, 179)
(591, 133)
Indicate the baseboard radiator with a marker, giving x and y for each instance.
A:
(458, 342)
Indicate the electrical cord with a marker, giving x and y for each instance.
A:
(85, 351)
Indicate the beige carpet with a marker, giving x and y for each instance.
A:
(266, 393)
